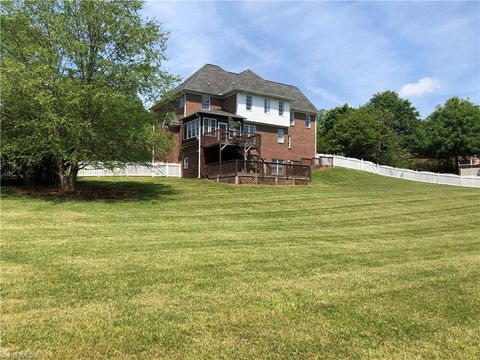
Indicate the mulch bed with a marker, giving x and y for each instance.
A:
(81, 193)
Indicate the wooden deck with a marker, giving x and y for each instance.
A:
(231, 137)
(258, 172)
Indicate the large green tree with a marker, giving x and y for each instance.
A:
(399, 115)
(362, 133)
(74, 77)
(326, 122)
(453, 130)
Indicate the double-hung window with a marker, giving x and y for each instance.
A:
(191, 129)
(181, 102)
(307, 120)
(280, 108)
(205, 102)
(277, 167)
(252, 129)
(292, 118)
(280, 136)
(209, 126)
(266, 106)
(248, 102)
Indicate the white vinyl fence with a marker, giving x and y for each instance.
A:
(421, 176)
(154, 170)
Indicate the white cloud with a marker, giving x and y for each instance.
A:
(426, 85)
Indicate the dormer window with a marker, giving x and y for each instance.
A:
(249, 102)
(205, 102)
(307, 121)
(266, 106)
(280, 108)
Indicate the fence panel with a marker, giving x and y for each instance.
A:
(407, 174)
(154, 170)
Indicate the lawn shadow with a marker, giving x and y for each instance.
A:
(88, 190)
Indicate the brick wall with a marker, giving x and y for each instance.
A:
(230, 104)
(194, 103)
(190, 150)
(303, 140)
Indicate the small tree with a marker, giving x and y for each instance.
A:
(73, 77)
(453, 130)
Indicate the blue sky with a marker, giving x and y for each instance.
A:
(336, 52)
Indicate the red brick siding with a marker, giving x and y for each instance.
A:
(174, 155)
(303, 140)
(230, 104)
(194, 103)
(190, 150)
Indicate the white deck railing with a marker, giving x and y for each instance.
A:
(407, 174)
(155, 170)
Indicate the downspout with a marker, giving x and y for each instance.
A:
(200, 146)
(315, 119)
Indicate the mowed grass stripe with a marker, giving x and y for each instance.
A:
(353, 266)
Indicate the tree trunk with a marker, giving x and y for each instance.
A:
(456, 163)
(68, 179)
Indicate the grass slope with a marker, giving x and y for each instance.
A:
(354, 266)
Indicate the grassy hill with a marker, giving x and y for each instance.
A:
(354, 266)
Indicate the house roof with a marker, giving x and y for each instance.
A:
(215, 112)
(212, 79)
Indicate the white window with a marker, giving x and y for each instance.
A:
(205, 102)
(280, 136)
(292, 118)
(266, 106)
(191, 129)
(209, 126)
(289, 142)
(277, 167)
(252, 129)
(280, 108)
(307, 120)
(185, 163)
(249, 102)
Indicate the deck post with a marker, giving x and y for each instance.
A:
(236, 179)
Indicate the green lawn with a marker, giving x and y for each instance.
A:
(354, 266)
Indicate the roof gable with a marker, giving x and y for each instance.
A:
(212, 79)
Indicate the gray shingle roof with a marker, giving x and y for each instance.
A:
(212, 79)
(216, 112)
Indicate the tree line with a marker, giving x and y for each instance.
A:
(388, 130)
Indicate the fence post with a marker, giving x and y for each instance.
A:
(362, 163)
(438, 178)
(416, 175)
(348, 162)
(378, 169)
(461, 179)
(166, 170)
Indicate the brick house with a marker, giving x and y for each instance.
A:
(222, 117)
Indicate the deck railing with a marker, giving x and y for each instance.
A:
(259, 168)
(231, 137)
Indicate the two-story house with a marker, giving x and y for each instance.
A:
(225, 117)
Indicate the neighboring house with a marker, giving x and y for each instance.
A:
(224, 117)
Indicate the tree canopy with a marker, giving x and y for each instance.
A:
(74, 77)
(453, 130)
